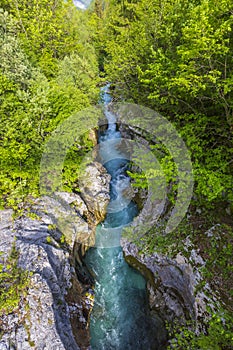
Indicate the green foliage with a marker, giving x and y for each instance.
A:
(139, 180)
(63, 239)
(14, 283)
(216, 246)
(33, 216)
(79, 73)
(75, 162)
(211, 149)
(48, 239)
(166, 173)
(48, 71)
(219, 335)
(52, 227)
(169, 244)
(176, 58)
(45, 31)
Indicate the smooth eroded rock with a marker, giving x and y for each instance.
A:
(94, 186)
(169, 283)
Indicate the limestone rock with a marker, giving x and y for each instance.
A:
(43, 319)
(172, 286)
(75, 201)
(94, 186)
(55, 312)
(169, 283)
(6, 233)
(64, 219)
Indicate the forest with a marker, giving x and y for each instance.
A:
(173, 56)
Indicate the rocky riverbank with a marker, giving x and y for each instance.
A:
(173, 285)
(184, 269)
(51, 239)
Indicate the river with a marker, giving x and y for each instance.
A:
(120, 318)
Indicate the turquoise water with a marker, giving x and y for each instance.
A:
(120, 317)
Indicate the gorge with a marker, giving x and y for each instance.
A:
(92, 254)
(131, 302)
(120, 318)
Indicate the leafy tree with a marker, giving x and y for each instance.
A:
(175, 56)
(40, 87)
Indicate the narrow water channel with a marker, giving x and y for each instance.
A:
(120, 317)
